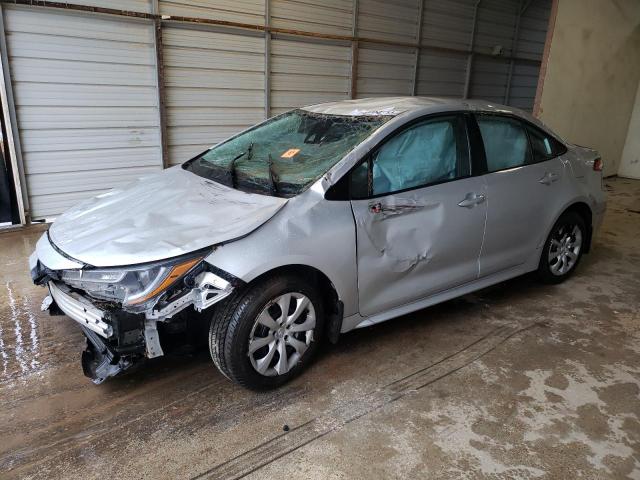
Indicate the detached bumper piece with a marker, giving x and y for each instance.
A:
(99, 360)
(115, 339)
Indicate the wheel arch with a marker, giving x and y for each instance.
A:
(333, 306)
(585, 212)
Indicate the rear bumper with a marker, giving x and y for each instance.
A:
(80, 309)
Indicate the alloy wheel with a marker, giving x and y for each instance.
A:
(564, 250)
(281, 334)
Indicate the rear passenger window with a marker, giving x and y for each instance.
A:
(543, 146)
(505, 142)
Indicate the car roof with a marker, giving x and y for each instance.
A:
(396, 105)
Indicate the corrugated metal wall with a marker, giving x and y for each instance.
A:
(86, 103)
(328, 16)
(214, 87)
(87, 97)
(445, 24)
(304, 73)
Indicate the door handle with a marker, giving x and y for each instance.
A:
(471, 200)
(548, 178)
(376, 208)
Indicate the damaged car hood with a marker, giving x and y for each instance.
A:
(160, 216)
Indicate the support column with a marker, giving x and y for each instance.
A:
(472, 43)
(267, 59)
(353, 85)
(162, 110)
(514, 48)
(416, 63)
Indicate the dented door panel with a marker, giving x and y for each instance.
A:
(417, 243)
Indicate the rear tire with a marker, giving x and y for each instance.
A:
(563, 249)
(281, 345)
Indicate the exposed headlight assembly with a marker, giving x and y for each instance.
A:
(133, 287)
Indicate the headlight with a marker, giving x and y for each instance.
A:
(131, 286)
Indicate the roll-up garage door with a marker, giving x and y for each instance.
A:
(86, 103)
(214, 84)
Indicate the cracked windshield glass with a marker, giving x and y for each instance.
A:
(285, 155)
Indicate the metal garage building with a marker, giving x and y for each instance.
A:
(98, 92)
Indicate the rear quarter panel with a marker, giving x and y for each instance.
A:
(580, 184)
(588, 182)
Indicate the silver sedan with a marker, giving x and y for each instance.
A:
(314, 223)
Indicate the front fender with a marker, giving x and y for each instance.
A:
(309, 231)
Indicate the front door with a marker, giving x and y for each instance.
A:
(419, 215)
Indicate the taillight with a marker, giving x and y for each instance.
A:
(597, 165)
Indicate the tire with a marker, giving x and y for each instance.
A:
(563, 249)
(235, 323)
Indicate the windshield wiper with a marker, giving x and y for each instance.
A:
(232, 165)
(273, 177)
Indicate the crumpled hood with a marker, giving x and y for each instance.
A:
(163, 215)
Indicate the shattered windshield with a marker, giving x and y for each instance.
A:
(284, 155)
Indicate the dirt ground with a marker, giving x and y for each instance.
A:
(520, 380)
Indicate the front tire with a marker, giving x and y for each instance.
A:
(267, 333)
(563, 249)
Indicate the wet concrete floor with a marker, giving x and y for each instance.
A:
(520, 380)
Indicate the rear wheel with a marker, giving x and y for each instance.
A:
(563, 249)
(266, 334)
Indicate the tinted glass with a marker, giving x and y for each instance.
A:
(360, 181)
(543, 146)
(423, 154)
(505, 142)
(285, 154)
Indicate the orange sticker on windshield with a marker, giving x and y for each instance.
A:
(292, 152)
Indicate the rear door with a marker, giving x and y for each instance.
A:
(524, 190)
(419, 215)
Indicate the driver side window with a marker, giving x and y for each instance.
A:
(423, 154)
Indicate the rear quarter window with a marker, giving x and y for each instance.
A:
(544, 146)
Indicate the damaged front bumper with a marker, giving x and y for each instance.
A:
(116, 338)
(78, 308)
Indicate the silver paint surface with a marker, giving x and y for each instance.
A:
(424, 249)
(160, 216)
(50, 257)
(407, 253)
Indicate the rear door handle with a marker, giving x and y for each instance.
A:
(471, 200)
(548, 178)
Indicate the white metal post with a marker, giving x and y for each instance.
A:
(11, 127)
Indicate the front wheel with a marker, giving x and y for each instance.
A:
(266, 334)
(563, 248)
